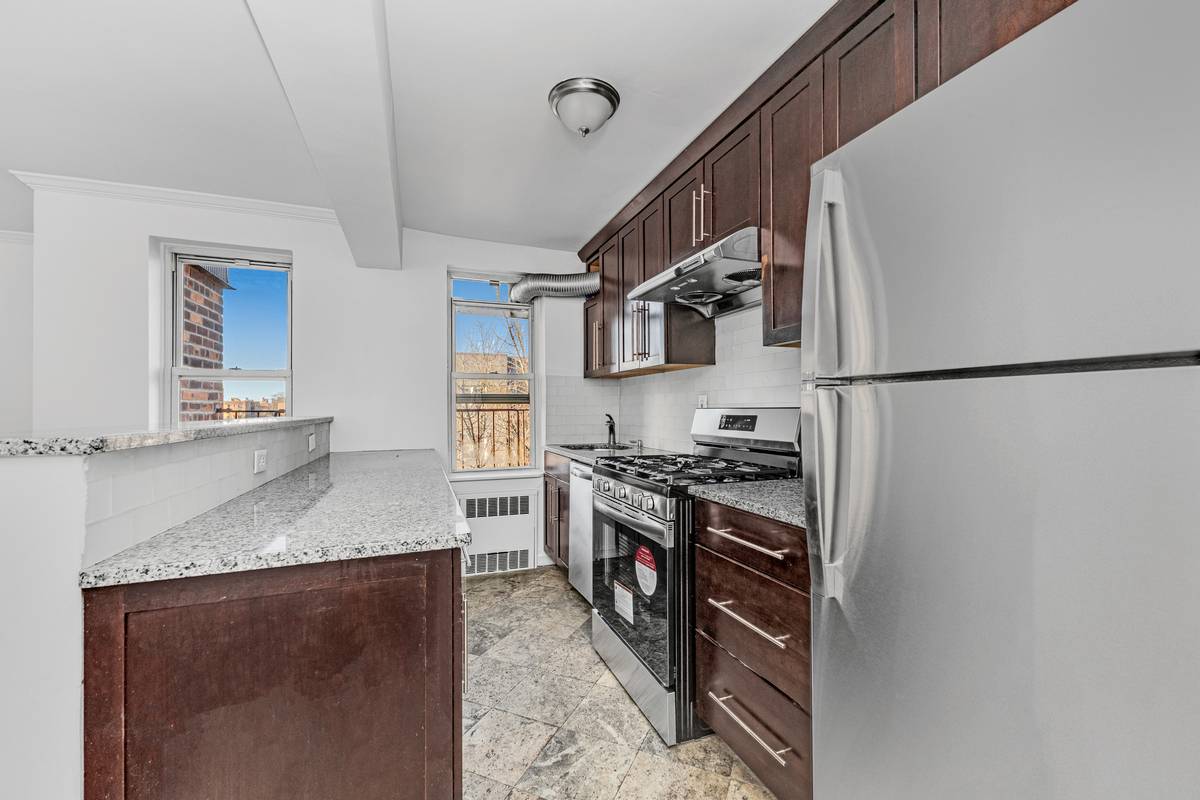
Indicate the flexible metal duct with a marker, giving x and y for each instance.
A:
(577, 284)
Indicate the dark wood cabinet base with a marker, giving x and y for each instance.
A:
(331, 681)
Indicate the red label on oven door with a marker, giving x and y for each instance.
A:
(647, 570)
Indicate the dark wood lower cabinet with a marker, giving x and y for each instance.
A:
(556, 508)
(338, 681)
(764, 624)
(772, 734)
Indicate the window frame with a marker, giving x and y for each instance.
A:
(177, 257)
(454, 375)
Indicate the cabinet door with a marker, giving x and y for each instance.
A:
(564, 523)
(610, 302)
(339, 681)
(630, 248)
(954, 34)
(730, 193)
(870, 73)
(681, 203)
(792, 140)
(550, 523)
(593, 347)
(654, 260)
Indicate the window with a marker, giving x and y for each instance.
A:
(491, 376)
(232, 339)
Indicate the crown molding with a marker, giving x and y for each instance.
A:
(178, 197)
(16, 237)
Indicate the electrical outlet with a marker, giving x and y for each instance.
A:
(260, 461)
(701, 401)
(312, 442)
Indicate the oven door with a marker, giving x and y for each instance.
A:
(633, 574)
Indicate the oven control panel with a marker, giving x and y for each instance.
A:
(654, 503)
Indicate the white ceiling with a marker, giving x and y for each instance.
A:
(481, 155)
(178, 94)
(183, 94)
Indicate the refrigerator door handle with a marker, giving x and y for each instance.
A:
(819, 321)
(826, 469)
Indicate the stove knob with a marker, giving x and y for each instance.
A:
(621, 493)
(605, 486)
(648, 502)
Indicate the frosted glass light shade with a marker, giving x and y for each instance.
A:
(584, 104)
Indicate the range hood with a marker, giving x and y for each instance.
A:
(720, 279)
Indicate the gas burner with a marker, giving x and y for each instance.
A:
(689, 470)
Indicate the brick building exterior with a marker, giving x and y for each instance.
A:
(203, 341)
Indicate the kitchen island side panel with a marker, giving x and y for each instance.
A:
(337, 680)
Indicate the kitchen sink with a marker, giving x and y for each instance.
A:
(596, 447)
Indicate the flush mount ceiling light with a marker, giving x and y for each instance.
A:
(584, 104)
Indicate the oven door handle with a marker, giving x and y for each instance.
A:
(647, 526)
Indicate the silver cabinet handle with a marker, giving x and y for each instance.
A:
(723, 605)
(771, 751)
(645, 330)
(703, 233)
(635, 348)
(694, 239)
(725, 534)
(466, 683)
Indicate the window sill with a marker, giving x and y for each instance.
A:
(495, 475)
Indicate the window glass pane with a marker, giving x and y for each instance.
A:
(475, 289)
(234, 317)
(212, 399)
(491, 340)
(491, 424)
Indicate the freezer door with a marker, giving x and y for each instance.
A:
(1019, 614)
(1042, 206)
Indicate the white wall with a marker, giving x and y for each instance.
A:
(369, 346)
(16, 331)
(41, 633)
(658, 408)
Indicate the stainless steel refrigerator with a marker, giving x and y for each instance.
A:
(1001, 425)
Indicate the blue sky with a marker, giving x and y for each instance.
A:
(255, 328)
(466, 323)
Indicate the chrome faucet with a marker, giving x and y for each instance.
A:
(612, 431)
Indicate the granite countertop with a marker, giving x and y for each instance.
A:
(339, 507)
(83, 443)
(778, 500)
(590, 456)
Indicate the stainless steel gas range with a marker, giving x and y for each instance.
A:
(642, 616)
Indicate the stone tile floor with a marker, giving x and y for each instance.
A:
(544, 718)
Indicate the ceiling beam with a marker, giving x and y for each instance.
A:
(332, 61)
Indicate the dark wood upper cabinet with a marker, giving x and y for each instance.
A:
(681, 203)
(593, 320)
(954, 34)
(730, 192)
(863, 61)
(610, 302)
(870, 73)
(630, 247)
(651, 223)
(792, 141)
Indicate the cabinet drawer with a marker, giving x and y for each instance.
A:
(765, 624)
(770, 733)
(772, 548)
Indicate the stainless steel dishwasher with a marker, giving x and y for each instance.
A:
(579, 564)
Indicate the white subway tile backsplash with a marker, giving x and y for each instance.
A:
(136, 494)
(658, 408)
